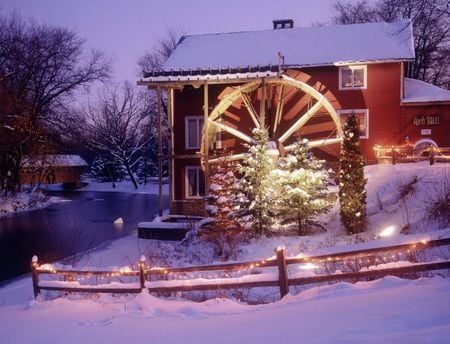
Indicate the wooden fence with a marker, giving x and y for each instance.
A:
(156, 279)
(407, 153)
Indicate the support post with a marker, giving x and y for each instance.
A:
(393, 156)
(262, 105)
(142, 271)
(205, 130)
(160, 176)
(170, 108)
(432, 154)
(35, 276)
(282, 272)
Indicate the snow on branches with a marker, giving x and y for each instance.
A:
(265, 190)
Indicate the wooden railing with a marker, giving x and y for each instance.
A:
(156, 280)
(407, 153)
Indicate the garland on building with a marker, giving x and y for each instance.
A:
(352, 195)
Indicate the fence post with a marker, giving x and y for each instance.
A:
(282, 272)
(35, 276)
(432, 152)
(142, 271)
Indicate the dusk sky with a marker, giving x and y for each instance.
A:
(125, 29)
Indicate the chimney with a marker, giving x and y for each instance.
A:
(283, 24)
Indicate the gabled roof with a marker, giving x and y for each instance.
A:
(58, 160)
(301, 47)
(417, 91)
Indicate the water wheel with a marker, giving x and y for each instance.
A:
(286, 107)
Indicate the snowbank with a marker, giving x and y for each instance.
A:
(23, 201)
(389, 310)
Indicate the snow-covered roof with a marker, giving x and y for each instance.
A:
(417, 91)
(54, 160)
(310, 46)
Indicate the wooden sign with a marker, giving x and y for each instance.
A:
(426, 120)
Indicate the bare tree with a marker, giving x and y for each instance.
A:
(116, 126)
(41, 67)
(153, 60)
(431, 25)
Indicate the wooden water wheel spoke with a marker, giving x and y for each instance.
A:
(279, 110)
(317, 143)
(232, 157)
(232, 131)
(251, 110)
(301, 121)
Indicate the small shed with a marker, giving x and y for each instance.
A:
(52, 169)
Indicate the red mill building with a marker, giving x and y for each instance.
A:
(295, 82)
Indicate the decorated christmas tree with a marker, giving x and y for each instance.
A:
(256, 187)
(352, 195)
(302, 182)
(225, 231)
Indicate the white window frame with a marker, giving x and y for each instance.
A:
(186, 188)
(198, 120)
(352, 68)
(349, 111)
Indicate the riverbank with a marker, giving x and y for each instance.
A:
(23, 201)
(30, 200)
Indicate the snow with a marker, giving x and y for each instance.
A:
(311, 46)
(24, 201)
(54, 160)
(417, 91)
(387, 310)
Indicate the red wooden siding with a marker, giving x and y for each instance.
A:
(389, 121)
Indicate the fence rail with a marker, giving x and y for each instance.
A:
(155, 279)
(407, 153)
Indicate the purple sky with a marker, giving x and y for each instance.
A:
(125, 29)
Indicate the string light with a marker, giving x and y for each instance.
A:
(245, 269)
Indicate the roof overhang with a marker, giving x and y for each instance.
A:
(425, 103)
(180, 78)
(176, 81)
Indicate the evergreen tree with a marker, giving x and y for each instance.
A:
(352, 195)
(256, 188)
(302, 184)
(225, 231)
(105, 169)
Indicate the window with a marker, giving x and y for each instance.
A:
(193, 131)
(195, 182)
(363, 118)
(352, 77)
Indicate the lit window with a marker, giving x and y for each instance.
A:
(193, 131)
(195, 182)
(363, 119)
(352, 77)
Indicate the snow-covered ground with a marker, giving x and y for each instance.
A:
(23, 201)
(388, 310)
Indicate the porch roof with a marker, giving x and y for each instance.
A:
(417, 91)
